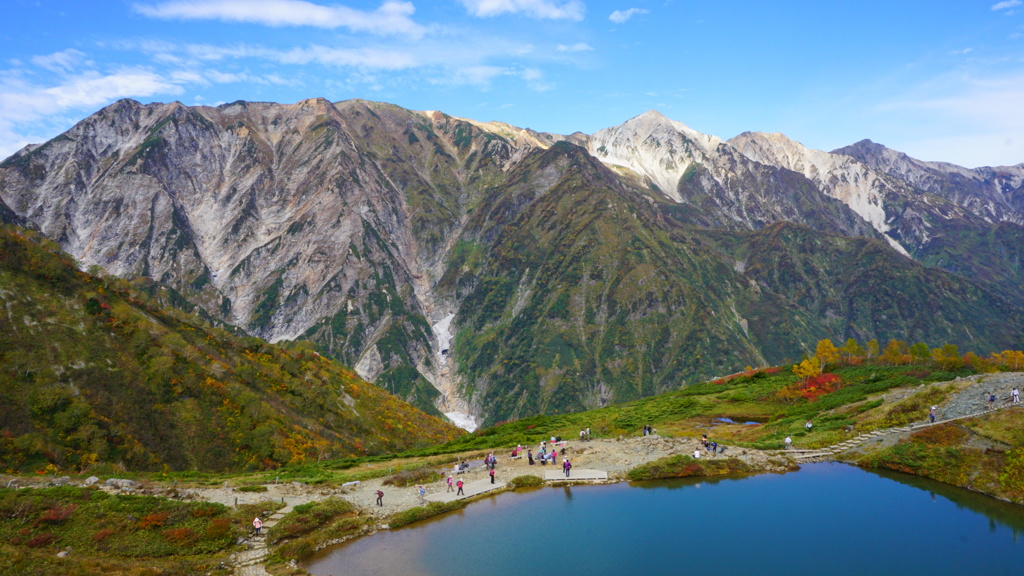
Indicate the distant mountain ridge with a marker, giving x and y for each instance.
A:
(480, 268)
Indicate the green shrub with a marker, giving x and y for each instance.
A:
(526, 481)
(686, 466)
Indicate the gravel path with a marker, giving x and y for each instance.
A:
(974, 397)
(970, 400)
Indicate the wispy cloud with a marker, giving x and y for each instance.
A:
(393, 17)
(63, 61)
(1007, 4)
(31, 109)
(193, 55)
(544, 9)
(982, 114)
(621, 16)
(577, 47)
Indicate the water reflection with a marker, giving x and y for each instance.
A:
(997, 511)
(841, 520)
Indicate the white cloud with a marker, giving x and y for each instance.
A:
(968, 120)
(32, 110)
(94, 89)
(535, 80)
(621, 16)
(1006, 4)
(479, 76)
(577, 47)
(63, 61)
(345, 57)
(544, 9)
(393, 17)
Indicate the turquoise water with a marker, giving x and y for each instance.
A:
(829, 519)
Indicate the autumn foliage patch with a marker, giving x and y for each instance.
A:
(810, 388)
(941, 435)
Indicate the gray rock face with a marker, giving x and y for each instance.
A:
(316, 220)
(336, 222)
(993, 193)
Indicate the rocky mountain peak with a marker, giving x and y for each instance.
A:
(655, 147)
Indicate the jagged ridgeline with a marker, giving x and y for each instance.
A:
(482, 268)
(92, 371)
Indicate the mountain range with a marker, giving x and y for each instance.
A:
(492, 272)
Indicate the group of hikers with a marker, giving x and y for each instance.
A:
(710, 446)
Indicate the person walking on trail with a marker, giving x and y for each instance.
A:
(992, 401)
(460, 492)
(554, 456)
(789, 442)
(450, 489)
(257, 524)
(931, 414)
(566, 465)
(380, 497)
(492, 475)
(1015, 395)
(422, 492)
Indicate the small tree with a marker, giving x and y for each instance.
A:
(895, 351)
(807, 369)
(851, 349)
(827, 353)
(872, 348)
(920, 352)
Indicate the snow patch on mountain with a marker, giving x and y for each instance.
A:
(443, 333)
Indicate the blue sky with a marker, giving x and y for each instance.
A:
(938, 80)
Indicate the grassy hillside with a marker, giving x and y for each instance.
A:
(94, 375)
(114, 534)
(758, 408)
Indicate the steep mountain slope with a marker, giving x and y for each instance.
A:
(475, 267)
(304, 220)
(994, 193)
(577, 292)
(94, 374)
(967, 221)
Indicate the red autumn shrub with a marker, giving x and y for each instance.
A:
(817, 386)
(40, 540)
(103, 534)
(810, 388)
(204, 511)
(56, 515)
(181, 536)
(218, 528)
(154, 520)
